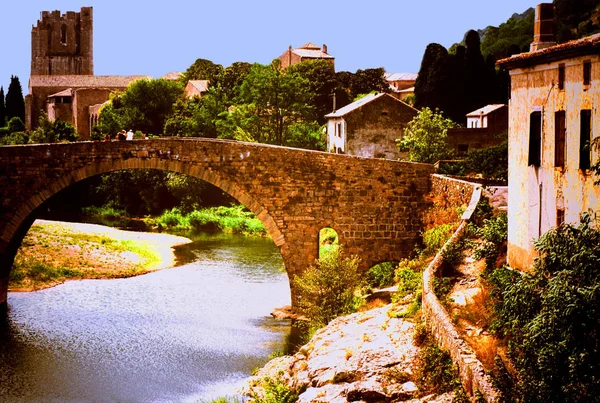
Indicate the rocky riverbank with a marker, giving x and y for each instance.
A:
(55, 251)
(367, 357)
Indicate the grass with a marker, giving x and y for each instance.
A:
(52, 253)
(234, 219)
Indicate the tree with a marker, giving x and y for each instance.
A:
(432, 85)
(2, 108)
(425, 137)
(230, 80)
(552, 320)
(15, 103)
(320, 75)
(368, 80)
(203, 69)
(477, 77)
(53, 132)
(145, 106)
(270, 101)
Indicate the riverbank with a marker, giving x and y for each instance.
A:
(53, 252)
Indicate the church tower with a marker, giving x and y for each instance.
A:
(63, 44)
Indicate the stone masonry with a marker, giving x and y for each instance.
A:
(373, 204)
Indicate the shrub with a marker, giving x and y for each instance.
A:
(551, 317)
(275, 391)
(381, 275)
(435, 238)
(327, 289)
(408, 276)
(493, 234)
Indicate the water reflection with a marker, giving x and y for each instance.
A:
(184, 334)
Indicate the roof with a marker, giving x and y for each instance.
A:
(485, 110)
(401, 76)
(200, 85)
(578, 47)
(65, 93)
(311, 46)
(361, 102)
(174, 75)
(81, 81)
(312, 54)
(409, 90)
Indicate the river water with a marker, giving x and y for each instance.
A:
(186, 334)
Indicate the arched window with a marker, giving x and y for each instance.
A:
(49, 32)
(328, 241)
(63, 34)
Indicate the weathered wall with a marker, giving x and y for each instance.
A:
(438, 321)
(477, 138)
(82, 100)
(373, 204)
(537, 192)
(372, 129)
(53, 54)
(455, 192)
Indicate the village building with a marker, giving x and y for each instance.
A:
(196, 88)
(62, 82)
(402, 85)
(486, 127)
(304, 53)
(555, 91)
(369, 127)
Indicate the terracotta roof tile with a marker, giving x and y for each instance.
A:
(587, 45)
(81, 81)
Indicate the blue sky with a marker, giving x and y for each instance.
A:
(140, 37)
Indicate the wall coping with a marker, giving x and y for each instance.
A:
(437, 319)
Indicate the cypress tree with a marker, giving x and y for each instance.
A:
(15, 103)
(2, 108)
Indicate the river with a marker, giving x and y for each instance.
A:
(186, 334)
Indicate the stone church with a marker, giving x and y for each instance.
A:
(62, 82)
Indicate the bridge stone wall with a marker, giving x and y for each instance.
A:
(373, 204)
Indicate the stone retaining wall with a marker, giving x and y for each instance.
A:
(437, 319)
(456, 192)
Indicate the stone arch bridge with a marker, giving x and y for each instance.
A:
(373, 204)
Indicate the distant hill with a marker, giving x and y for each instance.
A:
(574, 19)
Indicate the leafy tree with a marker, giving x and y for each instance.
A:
(509, 37)
(270, 101)
(15, 103)
(145, 106)
(2, 107)
(575, 18)
(368, 80)
(203, 69)
(196, 117)
(15, 124)
(327, 289)
(307, 135)
(477, 78)
(322, 82)
(53, 132)
(491, 162)
(552, 320)
(230, 80)
(425, 137)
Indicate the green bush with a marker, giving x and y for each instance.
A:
(435, 238)
(328, 288)
(493, 234)
(381, 275)
(409, 277)
(275, 391)
(551, 317)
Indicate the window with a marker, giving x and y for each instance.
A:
(561, 76)
(535, 139)
(560, 216)
(587, 72)
(63, 34)
(585, 135)
(560, 130)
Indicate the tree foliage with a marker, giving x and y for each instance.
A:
(425, 137)
(327, 289)
(53, 132)
(552, 320)
(203, 69)
(2, 107)
(145, 106)
(15, 103)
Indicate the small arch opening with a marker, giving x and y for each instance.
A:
(328, 241)
(63, 34)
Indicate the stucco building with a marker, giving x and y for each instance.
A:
(369, 127)
(62, 82)
(196, 88)
(303, 53)
(553, 117)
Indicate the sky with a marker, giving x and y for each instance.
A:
(142, 38)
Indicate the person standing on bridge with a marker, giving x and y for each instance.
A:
(130, 135)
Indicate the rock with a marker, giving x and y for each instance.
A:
(286, 312)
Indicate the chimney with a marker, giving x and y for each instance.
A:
(543, 28)
(324, 48)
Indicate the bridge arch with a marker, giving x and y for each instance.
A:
(373, 204)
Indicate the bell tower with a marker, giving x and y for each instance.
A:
(63, 44)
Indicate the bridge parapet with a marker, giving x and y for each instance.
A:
(373, 204)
